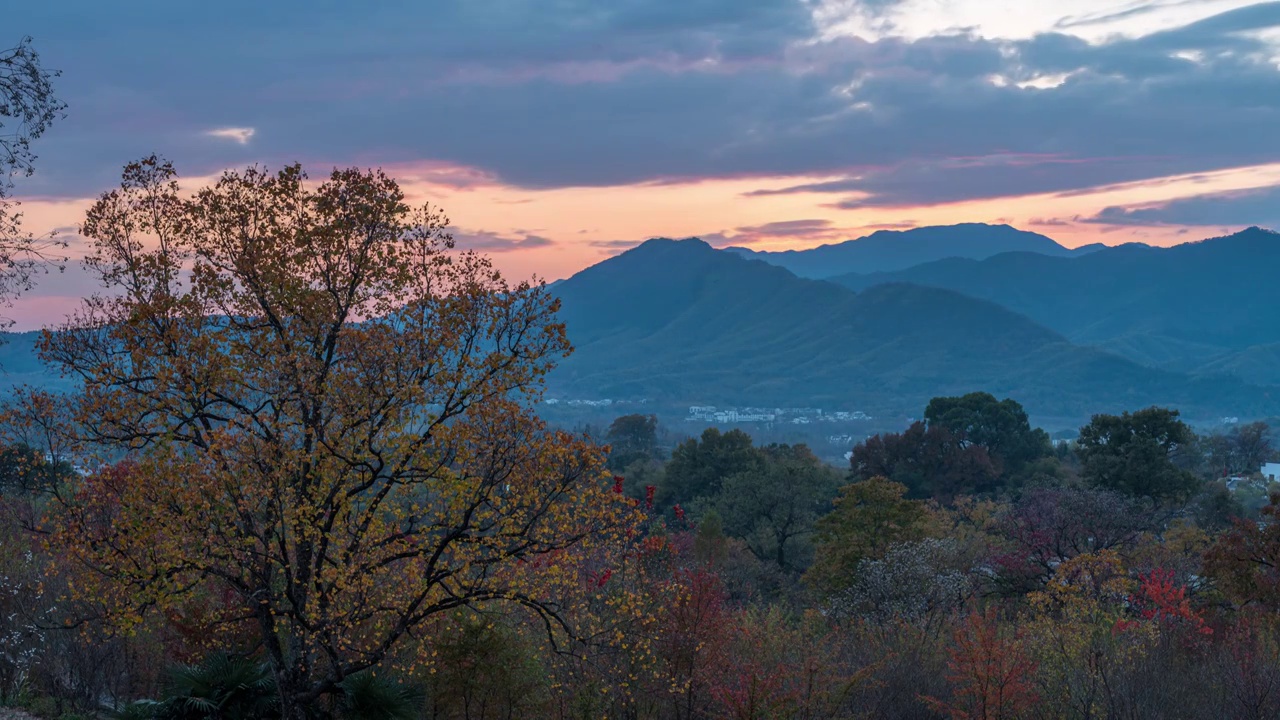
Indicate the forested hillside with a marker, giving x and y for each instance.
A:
(688, 323)
(1195, 307)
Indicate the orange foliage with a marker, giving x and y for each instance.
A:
(991, 672)
(330, 415)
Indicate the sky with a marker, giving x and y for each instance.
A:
(555, 133)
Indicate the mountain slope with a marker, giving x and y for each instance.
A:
(1259, 364)
(20, 364)
(1183, 308)
(679, 321)
(888, 250)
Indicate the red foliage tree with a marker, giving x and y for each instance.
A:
(1246, 560)
(930, 460)
(991, 672)
(1162, 599)
(696, 627)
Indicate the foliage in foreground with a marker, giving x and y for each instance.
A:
(316, 489)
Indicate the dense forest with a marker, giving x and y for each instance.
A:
(963, 568)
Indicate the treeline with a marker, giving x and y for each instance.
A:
(968, 447)
(302, 478)
(962, 568)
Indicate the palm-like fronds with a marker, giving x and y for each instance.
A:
(369, 697)
(224, 686)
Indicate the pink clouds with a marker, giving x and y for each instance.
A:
(541, 231)
(442, 174)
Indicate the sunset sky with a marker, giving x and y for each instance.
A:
(557, 132)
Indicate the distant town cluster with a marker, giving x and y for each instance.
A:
(795, 416)
(723, 415)
(606, 402)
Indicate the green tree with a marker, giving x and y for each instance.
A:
(773, 508)
(698, 466)
(869, 516)
(1138, 453)
(1243, 449)
(631, 439)
(1000, 426)
(485, 670)
(640, 475)
(1253, 445)
(709, 543)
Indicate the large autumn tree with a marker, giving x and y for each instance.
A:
(328, 416)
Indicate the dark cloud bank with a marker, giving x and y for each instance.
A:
(579, 92)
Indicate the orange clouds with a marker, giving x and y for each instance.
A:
(553, 233)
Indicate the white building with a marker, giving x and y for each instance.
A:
(1271, 471)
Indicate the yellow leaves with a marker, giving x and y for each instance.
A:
(1088, 580)
(1180, 546)
(331, 415)
(1082, 630)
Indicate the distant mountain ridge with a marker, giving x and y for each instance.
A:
(678, 320)
(1207, 307)
(890, 250)
(1192, 327)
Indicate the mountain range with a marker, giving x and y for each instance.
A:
(678, 320)
(1201, 307)
(1066, 332)
(889, 250)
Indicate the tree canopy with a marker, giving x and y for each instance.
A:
(773, 507)
(1242, 449)
(930, 461)
(1000, 426)
(698, 466)
(1137, 453)
(329, 415)
(1246, 559)
(632, 438)
(869, 516)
